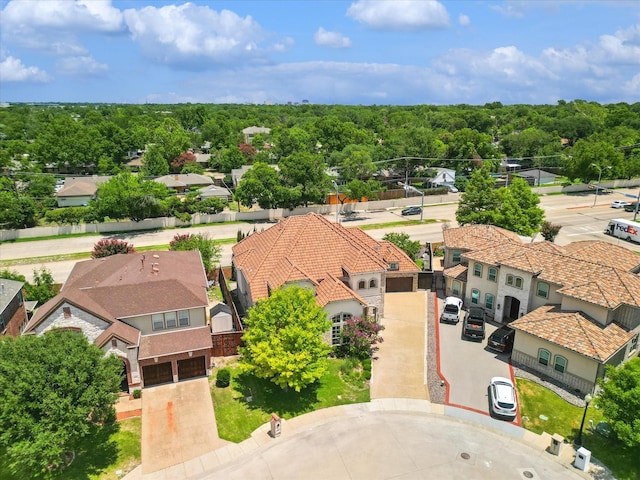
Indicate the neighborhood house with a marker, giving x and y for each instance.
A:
(575, 308)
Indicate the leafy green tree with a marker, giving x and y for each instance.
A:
(129, 196)
(230, 158)
(549, 231)
(291, 140)
(404, 243)
(283, 341)
(209, 249)
(261, 183)
(479, 202)
(56, 388)
(43, 287)
(519, 210)
(154, 163)
(67, 215)
(111, 246)
(620, 401)
(209, 206)
(355, 162)
(358, 189)
(305, 172)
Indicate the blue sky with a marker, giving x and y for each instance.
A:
(384, 52)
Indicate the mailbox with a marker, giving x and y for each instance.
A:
(583, 456)
(276, 425)
(556, 444)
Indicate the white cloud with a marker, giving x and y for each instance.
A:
(188, 32)
(400, 14)
(80, 66)
(13, 70)
(331, 39)
(464, 20)
(621, 47)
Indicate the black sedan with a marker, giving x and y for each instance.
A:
(412, 211)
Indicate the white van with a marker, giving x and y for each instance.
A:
(452, 309)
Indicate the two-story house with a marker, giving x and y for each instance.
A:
(575, 308)
(348, 270)
(148, 309)
(13, 313)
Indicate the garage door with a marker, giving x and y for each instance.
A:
(401, 284)
(156, 374)
(191, 367)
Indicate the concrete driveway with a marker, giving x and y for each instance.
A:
(178, 424)
(400, 369)
(468, 366)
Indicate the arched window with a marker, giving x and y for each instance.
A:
(489, 301)
(477, 270)
(475, 296)
(373, 283)
(560, 364)
(455, 288)
(361, 285)
(544, 356)
(518, 282)
(336, 329)
(543, 290)
(493, 274)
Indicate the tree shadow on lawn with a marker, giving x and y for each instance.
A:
(269, 397)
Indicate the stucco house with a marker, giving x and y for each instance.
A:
(251, 132)
(575, 308)
(182, 182)
(13, 312)
(79, 191)
(148, 309)
(348, 270)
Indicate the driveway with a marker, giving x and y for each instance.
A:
(468, 366)
(399, 371)
(178, 424)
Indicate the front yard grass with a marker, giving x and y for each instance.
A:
(563, 418)
(237, 418)
(103, 453)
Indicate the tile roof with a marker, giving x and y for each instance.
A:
(311, 247)
(176, 341)
(574, 331)
(473, 237)
(457, 272)
(330, 289)
(122, 285)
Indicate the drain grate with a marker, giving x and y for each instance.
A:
(527, 474)
(465, 455)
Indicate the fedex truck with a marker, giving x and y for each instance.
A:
(625, 229)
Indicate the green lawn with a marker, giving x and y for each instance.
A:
(544, 411)
(237, 418)
(103, 453)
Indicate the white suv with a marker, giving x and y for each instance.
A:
(452, 309)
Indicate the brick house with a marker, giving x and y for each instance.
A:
(348, 270)
(148, 309)
(575, 308)
(13, 312)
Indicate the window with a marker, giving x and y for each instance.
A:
(560, 364)
(455, 288)
(543, 290)
(170, 320)
(543, 356)
(493, 274)
(336, 329)
(157, 319)
(509, 280)
(361, 285)
(514, 281)
(373, 283)
(475, 296)
(114, 343)
(183, 318)
(394, 266)
(66, 311)
(488, 301)
(634, 344)
(518, 283)
(456, 257)
(477, 270)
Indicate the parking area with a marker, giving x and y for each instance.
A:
(468, 365)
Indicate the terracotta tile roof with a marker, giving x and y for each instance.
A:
(473, 237)
(331, 289)
(574, 331)
(172, 342)
(121, 286)
(605, 253)
(457, 272)
(310, 247)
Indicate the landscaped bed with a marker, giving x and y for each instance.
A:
(249, 401)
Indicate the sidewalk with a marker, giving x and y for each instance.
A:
(385, 438)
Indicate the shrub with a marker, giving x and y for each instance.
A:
(360, 337)
(366, 368)
(137, 393)
(113, 246)
(223, 378)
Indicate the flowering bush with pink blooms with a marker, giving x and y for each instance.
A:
(111, 246)
(360, 337)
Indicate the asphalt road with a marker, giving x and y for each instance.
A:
(575, 213)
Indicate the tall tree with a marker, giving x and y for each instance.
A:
(403, 242)
(209, 249)
(519, 210)
(479, 202)
(56, 389)
(129, 196)
(305, 172)
(283, 341)
(153, 162)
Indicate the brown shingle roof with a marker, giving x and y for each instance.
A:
(310, 247)
(574, 331)
(177, 341)
(121, 330)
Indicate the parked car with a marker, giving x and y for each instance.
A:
(412, 211)
(501, 340)
(473, 326)
(631, 207)
(502, 395)
(452, 309)
(619, 204)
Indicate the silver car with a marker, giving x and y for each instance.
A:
(502, 394)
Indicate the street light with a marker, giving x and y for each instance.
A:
(595, 199)
(587, 401)
(337, 200)
(414, 189)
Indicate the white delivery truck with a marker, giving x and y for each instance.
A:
(625, 229)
